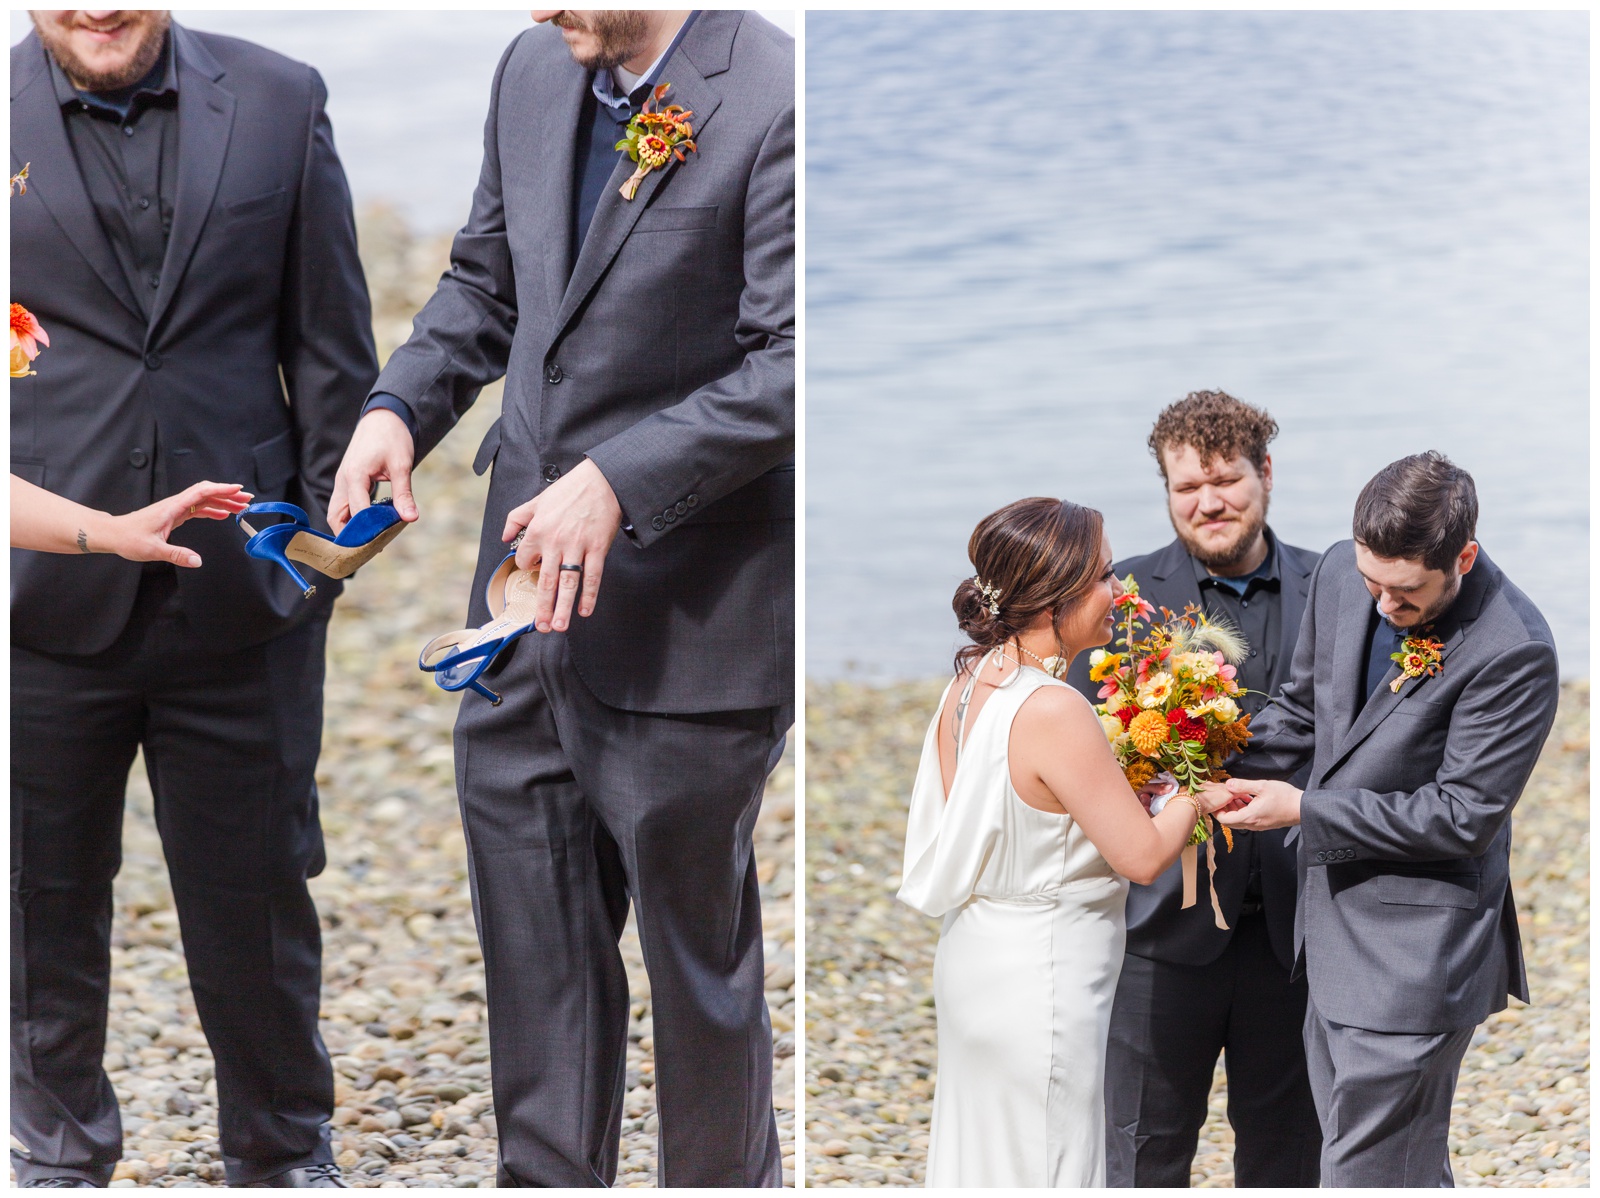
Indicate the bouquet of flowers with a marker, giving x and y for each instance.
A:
(1168, 699)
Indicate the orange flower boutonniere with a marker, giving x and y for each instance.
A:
(654, 137)
(1418, 658)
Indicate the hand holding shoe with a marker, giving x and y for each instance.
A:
(569, 524)
(381, 451)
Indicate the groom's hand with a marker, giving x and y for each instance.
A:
(381, 450)
(1261, 805)
(572, 522)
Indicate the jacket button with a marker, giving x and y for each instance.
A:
(670, 516)
(1322, 856)
(154, 281)
(681, 507)
(551, 473)
(692, 500)
(152, 361)
(138, 459)
(658, 524)
(553, 373)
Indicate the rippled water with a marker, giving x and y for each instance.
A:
(1026, 232)
(407, 92)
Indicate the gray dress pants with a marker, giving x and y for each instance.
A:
(1384, 1102)
(571, 810)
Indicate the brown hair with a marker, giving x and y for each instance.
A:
(1041, 554)
(1421, 508)
(1216, 425)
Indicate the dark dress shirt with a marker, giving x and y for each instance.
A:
(126, 146)
(1383, 639)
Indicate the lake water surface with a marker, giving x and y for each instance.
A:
(1027, 232)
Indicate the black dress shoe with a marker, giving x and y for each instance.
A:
(328, 1177)
(59, 1183)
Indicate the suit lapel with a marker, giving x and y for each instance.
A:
(1294, 582)
(205, 121)
(1174, 569)
(615, 217)
(39, 135)
(556, 182)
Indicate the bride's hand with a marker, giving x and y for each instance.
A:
(1214, 796)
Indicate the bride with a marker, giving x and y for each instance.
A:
(1022, 832)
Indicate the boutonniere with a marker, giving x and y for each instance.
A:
(1418, 658)
(654, 137)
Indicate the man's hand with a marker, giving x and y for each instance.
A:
(381, 450)
(1261, 805)
(571, 523)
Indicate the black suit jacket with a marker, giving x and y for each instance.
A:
(662, 349)
(251, 368)
(1158, 926)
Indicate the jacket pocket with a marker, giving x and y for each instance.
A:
(29, 470)
(669, 220)
(255, 207)
(487, 448)
(1426, 890)
(275, 461)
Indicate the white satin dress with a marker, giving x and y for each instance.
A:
(1026, 967)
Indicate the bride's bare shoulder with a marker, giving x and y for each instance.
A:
(1056, 711)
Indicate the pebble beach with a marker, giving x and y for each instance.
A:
(403, 1002)
(1521, 1116)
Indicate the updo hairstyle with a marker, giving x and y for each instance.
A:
(1043, 555)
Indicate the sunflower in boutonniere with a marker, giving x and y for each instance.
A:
(654, 137)
(1419, 658)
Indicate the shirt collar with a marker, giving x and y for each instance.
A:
(162, 79)
(1266, 572)
(605, 82)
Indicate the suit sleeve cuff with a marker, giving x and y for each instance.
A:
(393, 403)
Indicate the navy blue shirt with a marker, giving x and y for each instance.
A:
(1383, 638)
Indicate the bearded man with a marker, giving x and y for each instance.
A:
(1422, 689)
(187, 239)
(647, 341)
(1190, 988)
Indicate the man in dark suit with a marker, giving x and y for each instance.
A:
(1191, 989)
(648, 350)
(188, 242)
(1406, 930)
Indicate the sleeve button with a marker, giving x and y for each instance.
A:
(658, 524)
(681, 507)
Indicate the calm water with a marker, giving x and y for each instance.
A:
(407, 92)
(1026, 232)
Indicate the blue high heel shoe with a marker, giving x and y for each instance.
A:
(358, 542)
(511, 595)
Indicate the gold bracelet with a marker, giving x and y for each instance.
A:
(1199, 811)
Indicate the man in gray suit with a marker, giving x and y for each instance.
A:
(1406, 927)
(648, 350)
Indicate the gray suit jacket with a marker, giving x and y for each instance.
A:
(1406, 921)
(662, 349)
(251, 367)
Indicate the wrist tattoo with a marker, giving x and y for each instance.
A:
(83, 541)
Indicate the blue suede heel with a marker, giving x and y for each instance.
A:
(358, 542)
(511, 594)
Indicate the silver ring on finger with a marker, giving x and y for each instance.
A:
(574, 569)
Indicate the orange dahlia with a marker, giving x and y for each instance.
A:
(1149, 731)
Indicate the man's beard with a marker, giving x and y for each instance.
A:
(621, 33)
(1432, 614)
(1226, 558)
(83, 75)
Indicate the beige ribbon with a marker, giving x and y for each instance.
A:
(1191, 868)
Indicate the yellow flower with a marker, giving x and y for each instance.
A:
(1223, 708)
(20, 368)
(1149, 731)
(1102, 665)
(1112, 726)
(1155, 690)
(1202, 667)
